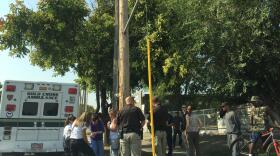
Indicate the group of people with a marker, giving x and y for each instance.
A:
(186, 126)
(85, 133)
(260, 120)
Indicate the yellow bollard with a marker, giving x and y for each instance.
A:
(151, 96)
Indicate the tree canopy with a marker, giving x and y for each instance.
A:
(206, 47)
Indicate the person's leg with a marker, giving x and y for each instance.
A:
(157, 143)
(124, 145)
(73, 148)
(100, 148)
(236, 148)
(180, 137)
(164, 143)
(196, 143)
(184, 138)
(190, 138)
(169, 143)
(94, 147)
(186, 144)
(86, 149)
(175, 137)
(114, 152)
(232, 138)
(135, 144)
(253, 137)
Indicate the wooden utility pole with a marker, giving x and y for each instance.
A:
(116, 57)
(124, 84)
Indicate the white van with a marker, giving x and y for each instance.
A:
(32, 115)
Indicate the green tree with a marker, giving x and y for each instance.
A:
(65, 35)
(220, 47)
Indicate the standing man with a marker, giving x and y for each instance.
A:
(160, 126)
(183, 128)
(178, 121)
(130, 121)
(233, 126)
(193, 125)
(170, 123)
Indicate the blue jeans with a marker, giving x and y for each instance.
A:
(97, 146)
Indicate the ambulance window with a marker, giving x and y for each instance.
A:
(50, 109)
(30, 108)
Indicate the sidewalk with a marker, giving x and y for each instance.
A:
(214, 145)
(147, 147)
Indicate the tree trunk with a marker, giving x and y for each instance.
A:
(105, 114)
(97, 87)
(103, 101)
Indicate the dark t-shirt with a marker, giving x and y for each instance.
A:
(169, 121)
(183, 126)
(160, 118)
(129, 119)
(178, 122)
(99, 126)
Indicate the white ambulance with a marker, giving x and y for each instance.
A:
(32, 115)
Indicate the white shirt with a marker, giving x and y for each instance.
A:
(67, 131)
(77, 132)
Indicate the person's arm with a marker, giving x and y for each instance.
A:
(66, 129)
(187, 123)
(143, 123)
(199, 123)
(113, 125)
(118, 122)
(101, 125)
(141, 117)
(85, 135)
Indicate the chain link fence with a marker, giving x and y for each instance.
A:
(213, 124)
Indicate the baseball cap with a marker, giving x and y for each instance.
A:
(255, 99)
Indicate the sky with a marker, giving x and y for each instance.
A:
(13, 68)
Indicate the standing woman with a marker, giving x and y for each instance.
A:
(97, 129)
(78, 138)
(114, 135)
(66, 134)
